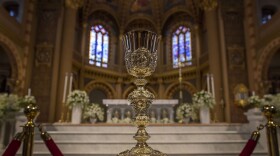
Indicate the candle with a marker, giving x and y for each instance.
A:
(29, 92)
(70, 83)
(212, 85)
(253, 93)
(208, 82)
(180, 72)
(65, 88)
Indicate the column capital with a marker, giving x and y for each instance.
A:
(208, 5)
(74, 4)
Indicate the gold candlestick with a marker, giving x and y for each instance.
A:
(141, 58)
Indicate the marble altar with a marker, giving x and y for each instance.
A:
(161, 110)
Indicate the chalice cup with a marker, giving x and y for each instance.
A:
(141, 59)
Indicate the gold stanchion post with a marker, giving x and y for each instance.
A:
(31, 112)
(271, 131)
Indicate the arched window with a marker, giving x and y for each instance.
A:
(12, 8)
(99, 46)
(181, 46)
(267, 13)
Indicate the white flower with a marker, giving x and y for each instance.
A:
(8, 103)
(127, 120)
(203, 98)
(184, 111)
(27, 100)
(77, 97)
(274, 100)
(94, 110)
(255, 101)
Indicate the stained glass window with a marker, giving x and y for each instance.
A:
(181, 46)
(99, 46)
(267, 13)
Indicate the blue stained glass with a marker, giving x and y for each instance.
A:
(105, 48)
(99, 46)
(175, 48)
(181, 46)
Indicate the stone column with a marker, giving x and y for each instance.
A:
(161, 89)
(122, 113)
(198, 52)
(211, 21)
(83, 54)
(121, 51)
(119, 88)
(225, 91)
(109, 114)
(171, 114)
(66, 56)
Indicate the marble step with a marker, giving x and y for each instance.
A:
(160, 136)
(182, 154)
(169, 147)
(179, 128)
(175, 139)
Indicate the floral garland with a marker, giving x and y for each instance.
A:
(203, 99)
(77, 97)
(93, 110)
(185, 110)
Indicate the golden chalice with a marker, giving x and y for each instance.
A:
(141, 58)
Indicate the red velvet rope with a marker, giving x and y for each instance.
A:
(12, 149)
(249, 148)
(55, 151)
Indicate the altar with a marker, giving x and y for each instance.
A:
(120, 111)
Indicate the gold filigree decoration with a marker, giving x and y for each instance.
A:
(208, 5)
(74, 4)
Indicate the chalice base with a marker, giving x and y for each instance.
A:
(141, 151)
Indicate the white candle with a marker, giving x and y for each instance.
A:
(180, 72)
(70, 83)
(29, 92)
(212, 85)
(65, 88)
(253, 93)
(208, 82)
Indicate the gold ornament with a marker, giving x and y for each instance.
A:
(208, 5)
(74, 4)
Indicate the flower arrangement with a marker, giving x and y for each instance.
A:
(269, 99)
(255, 101)
(26, 100)
(77, 98)
(203, 99)
(8, 103)
(92, 111)
(185, 110)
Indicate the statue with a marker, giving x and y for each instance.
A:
(165, 118)
(116, 117)
(127, 118)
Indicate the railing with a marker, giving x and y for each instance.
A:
(27, 136)
(271, 132)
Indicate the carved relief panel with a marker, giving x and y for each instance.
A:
(43, 55)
